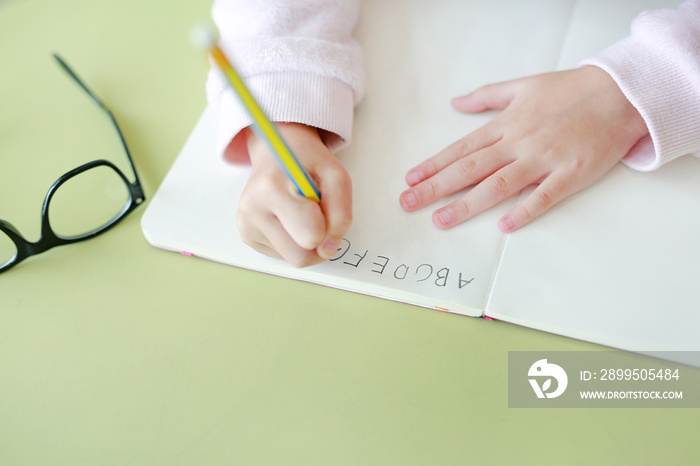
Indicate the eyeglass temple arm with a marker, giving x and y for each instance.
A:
(96, 99)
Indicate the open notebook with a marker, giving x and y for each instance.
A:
(617, 264)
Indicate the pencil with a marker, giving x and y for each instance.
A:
(263, 127)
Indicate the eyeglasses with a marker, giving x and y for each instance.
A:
(80, 205)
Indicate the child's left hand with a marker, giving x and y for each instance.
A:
(561, 130)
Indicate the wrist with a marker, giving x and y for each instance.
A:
(624, 111)
(292, 133)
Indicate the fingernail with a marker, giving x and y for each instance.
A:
(508, 223)
(330, 247)
(410, 198)
(445, 217)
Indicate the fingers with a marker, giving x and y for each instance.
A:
(275, 220)
(489, 97)
(545, 196)
(336, 204)
(466, 161)
(297, 229)
(269, 237)
(501, 185)
(462, 173)
(556, 187)
(301, 218)
(479, 139)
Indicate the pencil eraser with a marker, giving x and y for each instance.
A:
(203, 36)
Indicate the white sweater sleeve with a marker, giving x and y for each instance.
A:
(658, 69)
(298, 59)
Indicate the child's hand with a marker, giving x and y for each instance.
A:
(562, 131)
(276, 220)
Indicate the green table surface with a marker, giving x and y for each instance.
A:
(115, 352)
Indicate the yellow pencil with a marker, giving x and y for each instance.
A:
(262, 125)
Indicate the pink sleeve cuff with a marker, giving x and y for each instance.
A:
(658, 71)
(296, 97)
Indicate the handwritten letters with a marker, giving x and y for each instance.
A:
(439, 276)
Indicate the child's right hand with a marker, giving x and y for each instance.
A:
(274, 219)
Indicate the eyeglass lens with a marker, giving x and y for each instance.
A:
(83, 204)
(87, 202)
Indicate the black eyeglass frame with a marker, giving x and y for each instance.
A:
(50, 239)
